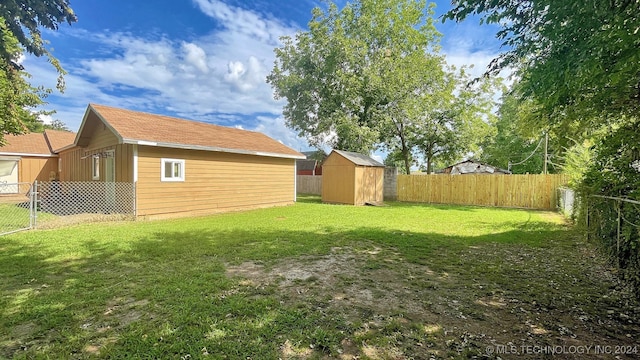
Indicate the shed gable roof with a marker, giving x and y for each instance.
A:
(306, 164)
(134, 127)
(359, 159)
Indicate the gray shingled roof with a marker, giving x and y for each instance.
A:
(305, 164)
(359, 159)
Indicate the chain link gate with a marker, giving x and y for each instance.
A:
(17, 207)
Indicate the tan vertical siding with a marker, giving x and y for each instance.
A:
(214, 182)
(36, 168)
(371, 185)
(124, 162)
(338, 180)
(76, 163)
(102, 138)
(344, 182)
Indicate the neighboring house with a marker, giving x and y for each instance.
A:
(29, 157)
(308, 167)
(473, 167)
(180, 167)
(312, 165)
(352, 178)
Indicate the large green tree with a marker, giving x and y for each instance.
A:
(344, 76)
(579, 60)
(364, 76)
(20, 23)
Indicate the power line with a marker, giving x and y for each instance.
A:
(528, 157)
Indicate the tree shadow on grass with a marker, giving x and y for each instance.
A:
(167, 294)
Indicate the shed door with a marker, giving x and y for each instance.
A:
(369, 185)
(8, 176)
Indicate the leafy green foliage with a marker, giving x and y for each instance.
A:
(396, 159)
(369, 75)
(578, 59)
(454, 124)
(615, 171)
(509, 146)
(56, 124)
(578, 64)
(17, 96)
(21, 15)
(339, 76)
(577, 161)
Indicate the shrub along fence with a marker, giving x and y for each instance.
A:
(615, 223)
(517, 191)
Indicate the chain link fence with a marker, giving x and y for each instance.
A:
(64, 202)
(16, 207)
(615, 223)
(55, 203)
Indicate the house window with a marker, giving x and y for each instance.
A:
(172, 170)
(95, 167)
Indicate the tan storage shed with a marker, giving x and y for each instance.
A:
(352, 178)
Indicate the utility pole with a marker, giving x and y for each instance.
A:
(546, 148)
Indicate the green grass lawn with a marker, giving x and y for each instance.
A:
(310, 281)
(16, 216)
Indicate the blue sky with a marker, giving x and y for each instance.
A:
(204, 60)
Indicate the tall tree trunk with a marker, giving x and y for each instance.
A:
(404, 150)
(405, 156)
(407, 164)
(429, 157)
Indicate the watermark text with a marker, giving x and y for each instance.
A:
(511, 349)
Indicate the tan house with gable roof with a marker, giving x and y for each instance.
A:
(180, 167)
(33, 156)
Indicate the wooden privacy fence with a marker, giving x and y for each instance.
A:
(518, 191)
(309, 184)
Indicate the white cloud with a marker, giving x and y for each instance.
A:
(245, 22)
(223, 72)
(378, 157)
(467, 44)
(275, 127)
(218, 77)
(46, 119)
(245, 78)
(196, 56)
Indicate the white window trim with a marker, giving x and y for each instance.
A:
(163, 161)
(95, 167)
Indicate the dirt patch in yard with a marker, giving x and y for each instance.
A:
(351, 282)
(527, 303)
